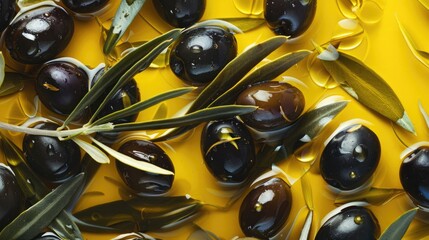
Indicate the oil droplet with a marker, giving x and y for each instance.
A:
(352, 175)
(358, 220)
(370, 12)
(258, 207)
(318, 73)
(349, 33)
(196, 49)
(360, 153)
(50, 150)
(250, 7)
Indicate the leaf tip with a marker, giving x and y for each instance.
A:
(406, 123)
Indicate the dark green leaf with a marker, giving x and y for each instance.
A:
(33, 220)
(127, 11)
(397, 229)
(119, 69)
(245, 24)
(374, 196)
(13, 82)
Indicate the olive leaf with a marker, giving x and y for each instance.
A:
(425, 3)
(95, 153)
(424, 114)
(32, 221)
(245, 24)
(397, 229)
(2, 69)
(124, 16)
(421, 55)
(365, 85)
(305, 232)
(12, 83)
(374, 196)
(140, 214)
(308, 198)
(134, 236)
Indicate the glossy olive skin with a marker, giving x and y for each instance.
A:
(413, 173)
(350, 223)
(52, 159)
(47, 236)
(180, 13)
(350, 158)
(39, 35)
(10, 197)
(201, 53)
(263, 219)
(61, 85)
(85, 6)
(289, 17)
(228, 150)
(140, 181)
(280, 104)
(7, 12)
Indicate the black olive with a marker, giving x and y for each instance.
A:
(280, 104)
(39, 35)
(143, 182)
(201, 53)
(85, 6)
(265, 209)
(414, 172)
(47, 236)
(228, 150)
(289, 17)
(7, 12)
(52, 159)
(350, 223)
(180, 13)
(61, 85)
(350, 158)
(10, 197)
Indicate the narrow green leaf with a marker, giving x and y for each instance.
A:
(424, 113)
(2, 69)
(137, 107)
(13, 82)
(397, 229)
(245, 24)
(119, 69)
(305, 232)
(374, 196)
(32, 221)
(366, 86)
(124, 16)
(204, 115)
(93, 151)
(425, 3)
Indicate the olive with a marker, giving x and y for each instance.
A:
(10, 197)
(7, 12)
(353, 222)
(180, 13)
(61, 85)
(39, 35)
(414, 176)
(280, 104)
(85, 6)
(265, 209)
(289, 17)
(47, 236)
(52, 159)
(143, 182)
(201, 53)
(228, 150)
(350, 158)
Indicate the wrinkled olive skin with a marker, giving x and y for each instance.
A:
(39, 34)
(7, 12)
(140, 181)
(52, 159)
(85, 6)
(352, 223)
(413, 173)
(350, 158)
(180, 13)
(264, 219)
(280, 104)
(201, 53)
(60, 86)
(228, 150)
(289, 17)
(10, 197)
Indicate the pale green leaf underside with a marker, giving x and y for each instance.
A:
(397, 229)
(421, 55)
(93, 151)
(2, 69)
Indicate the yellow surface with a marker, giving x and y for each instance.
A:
(382, 48)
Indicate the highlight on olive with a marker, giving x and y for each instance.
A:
(60, 86)
(39, 34)
(350, 222)
(85, 6)
(228, 150)
(47, 236)
(7, 12)
(52, 159)
(142, 182)
(265, 208)
(180, 13)
(201, 53)
(350, 158)
(289, 17)
(413, 174)
(279, 105)
(10, 196)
